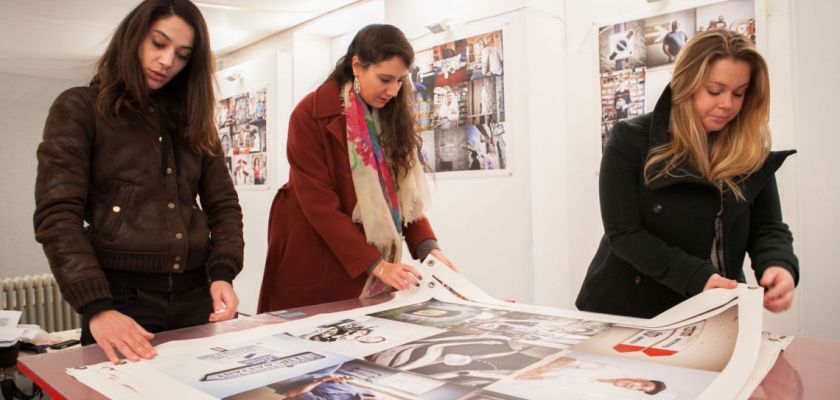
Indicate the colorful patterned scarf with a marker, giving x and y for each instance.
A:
(382, 210)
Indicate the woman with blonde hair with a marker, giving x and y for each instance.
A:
(689, 189)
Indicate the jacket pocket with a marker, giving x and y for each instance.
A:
(115, 209)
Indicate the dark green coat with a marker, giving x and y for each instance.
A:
(657, 244)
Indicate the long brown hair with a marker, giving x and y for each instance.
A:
(187, 99)
(374, 44)
(742, 146)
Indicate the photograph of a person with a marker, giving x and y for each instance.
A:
(439, 314)
(585, 376)
(483, 101)
(450, 105)
(471, 360)
(459, 86)
(666, 35)
(485, 55)
(245, 116)
(733, 15)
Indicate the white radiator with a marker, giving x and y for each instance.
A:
(40, 301)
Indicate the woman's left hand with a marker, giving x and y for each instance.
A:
(442, 257)
(778, 289)
(225, 301)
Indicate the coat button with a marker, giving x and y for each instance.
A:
(177, 258)
(171, 205)
(179, 235)
(169, 171)
(160, 138)
(176, 266)
(637, 280)
(116, 209)
(657, 208)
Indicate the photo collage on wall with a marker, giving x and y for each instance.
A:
(241, 122)
(459, 104)
(637, 57)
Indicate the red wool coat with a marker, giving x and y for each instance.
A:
(316, 253)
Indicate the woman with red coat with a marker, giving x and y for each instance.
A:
(356, 186)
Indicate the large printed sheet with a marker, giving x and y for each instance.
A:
(447, 339)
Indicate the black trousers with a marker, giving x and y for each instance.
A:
(159, 311)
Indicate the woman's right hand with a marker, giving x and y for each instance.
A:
(398, 276)
(717, 281)
(114, 330)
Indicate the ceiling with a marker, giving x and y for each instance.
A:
(63, 38)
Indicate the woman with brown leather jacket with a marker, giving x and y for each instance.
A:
(120, 167)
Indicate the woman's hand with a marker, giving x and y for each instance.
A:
(398, 276)
(225, 301)
(114, 330)
(778, 289)
(442, 257)
(717, 281)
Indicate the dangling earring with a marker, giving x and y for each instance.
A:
(356, 87)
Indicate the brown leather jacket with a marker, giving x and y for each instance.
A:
(106, 199)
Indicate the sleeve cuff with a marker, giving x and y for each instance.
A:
(96, 307)
(221, 272)
(425, 247)
(697, 282)
(778, 263)
(372, 266)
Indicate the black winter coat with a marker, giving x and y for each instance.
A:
(657, 244)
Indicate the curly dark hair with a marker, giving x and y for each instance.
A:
(374, 44)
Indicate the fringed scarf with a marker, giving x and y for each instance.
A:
(382, 210)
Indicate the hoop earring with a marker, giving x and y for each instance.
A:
(356, 87)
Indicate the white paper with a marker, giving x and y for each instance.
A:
(449, 339)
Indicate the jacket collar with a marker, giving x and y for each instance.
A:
(328, 106)
(660, 134)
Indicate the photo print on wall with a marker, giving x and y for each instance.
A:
(459, 104)
(637, 57)
(241, 122)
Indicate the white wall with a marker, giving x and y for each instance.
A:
(486, 224)
(24, 103)
(273, 71)
(815, 59)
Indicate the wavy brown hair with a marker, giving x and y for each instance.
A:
(374, 44)
(741, 147)
(187, 100)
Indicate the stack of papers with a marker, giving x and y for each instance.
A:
(448, 339)
(11, 332)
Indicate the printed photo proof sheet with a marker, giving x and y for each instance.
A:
(447, 339)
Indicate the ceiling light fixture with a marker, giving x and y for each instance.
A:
(438, 27)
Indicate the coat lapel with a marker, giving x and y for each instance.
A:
(328, 107)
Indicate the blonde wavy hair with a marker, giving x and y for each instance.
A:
(729, 156)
